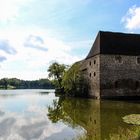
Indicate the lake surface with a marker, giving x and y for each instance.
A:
(40, 115)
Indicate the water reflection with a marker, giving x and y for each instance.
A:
(101, 120)
(23, 117)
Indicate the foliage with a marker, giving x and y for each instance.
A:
(10, 83)
(73, 82)
(59, 112)
(56, 112)
(132, 119)
(73, 112)
(56, 72)
(4, 83)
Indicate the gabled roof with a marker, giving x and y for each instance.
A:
(115, 43)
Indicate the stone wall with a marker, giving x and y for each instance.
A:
(91, 70)
(112, 76)
(119, 76)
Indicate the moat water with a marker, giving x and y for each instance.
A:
(40, 115)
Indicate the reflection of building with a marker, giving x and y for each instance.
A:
(102, 120)
(112, 66)
(83, 113)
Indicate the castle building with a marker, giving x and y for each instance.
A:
(112, 67)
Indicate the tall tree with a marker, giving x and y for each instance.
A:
(56, 72)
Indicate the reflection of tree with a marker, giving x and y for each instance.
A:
(57, 113)
(77, 112)
(102, 120)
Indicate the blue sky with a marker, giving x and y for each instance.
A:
(35, 33)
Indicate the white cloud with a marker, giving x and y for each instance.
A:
(132, 18)
(31, 41)
(5, 46)
(35, 42)
(32, 62)
(10, 9)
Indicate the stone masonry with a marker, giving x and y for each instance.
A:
(112, 67)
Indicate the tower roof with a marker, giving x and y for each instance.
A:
(115, 43)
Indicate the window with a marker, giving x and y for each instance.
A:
(90, 63)
(118, 59)
(94, 61)
(94, 73)
(116, 84)
(90, 75)
(84, 69)
(137, 84)
(138, 60)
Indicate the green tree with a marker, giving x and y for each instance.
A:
(73, 81)
(14, 82)
(4, 82)
(56, 72)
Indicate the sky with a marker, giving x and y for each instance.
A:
(36, 33)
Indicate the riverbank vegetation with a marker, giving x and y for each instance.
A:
(14, 83)
(68, 80)
(73, 82)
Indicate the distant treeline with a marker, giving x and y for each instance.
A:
(14, 83)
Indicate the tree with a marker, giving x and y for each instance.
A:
(4, 82)
(56, 72)
(74, 83)
(14, 82)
